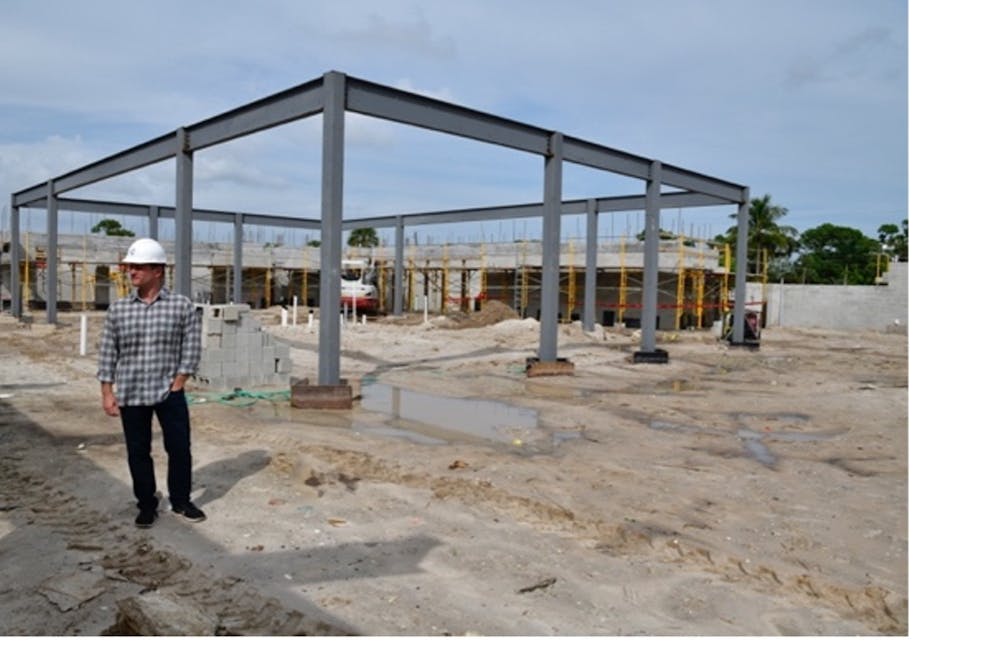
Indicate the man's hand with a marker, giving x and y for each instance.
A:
(110, 404)
(178, 382)
(108, 400)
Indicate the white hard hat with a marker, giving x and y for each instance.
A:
(145, 250)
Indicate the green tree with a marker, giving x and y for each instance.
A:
(111, 227)
(896, 240)
(363, 237)
(665, 235)
(833, 254)
(765, 237)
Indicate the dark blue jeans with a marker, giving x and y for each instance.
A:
(137, 422)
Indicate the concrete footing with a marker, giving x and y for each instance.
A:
(559, 367)
(656, 356)
(306, 396)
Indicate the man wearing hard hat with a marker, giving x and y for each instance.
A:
(150, 345)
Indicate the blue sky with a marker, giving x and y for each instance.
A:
(805, 100)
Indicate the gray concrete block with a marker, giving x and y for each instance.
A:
(213, 326)
(250, 340)
(238, 368)
(209, 369)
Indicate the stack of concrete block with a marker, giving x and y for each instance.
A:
(237, 353)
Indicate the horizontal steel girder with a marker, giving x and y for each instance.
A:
(365, 97)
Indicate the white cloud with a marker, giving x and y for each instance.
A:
(780, 94)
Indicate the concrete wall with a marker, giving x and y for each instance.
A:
(878, 308)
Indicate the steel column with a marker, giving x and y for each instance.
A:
(331, 227)
(182, 215)
(51, 255)
(154, 222)
(590, 279)
(15, 260)
(551, 220)
(397, 273)
(740, 292)
(237, 258)
(650, 258)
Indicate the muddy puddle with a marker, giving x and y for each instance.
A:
(434, 419)
(756, 432)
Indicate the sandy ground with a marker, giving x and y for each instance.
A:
(728, 492)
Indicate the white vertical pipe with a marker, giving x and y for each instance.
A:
(83, 334)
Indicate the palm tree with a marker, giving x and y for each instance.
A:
(764, 234)
(363, 237)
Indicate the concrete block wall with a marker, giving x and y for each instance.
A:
(237, 353)
(873, 308)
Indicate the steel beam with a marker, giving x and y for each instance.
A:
(651, 254)
(398, 270)
(157, 150)
(668, 200)
(740, 291)
(331, 227)
(238, 258)
(551, 221)
(590, 278)
(51, 256)
(290, 105)
(154, 222)
(183, 230)
(15, 261)
(384, 102)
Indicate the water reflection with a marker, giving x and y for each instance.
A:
(440, 419)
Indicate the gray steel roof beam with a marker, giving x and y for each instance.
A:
(153, 151)
(93, 206)
(396, 105)
(295, 103)
(668, 200)
(634, 166)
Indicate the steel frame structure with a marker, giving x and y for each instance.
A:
(333, 95)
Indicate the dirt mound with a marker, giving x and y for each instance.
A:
(491, 313)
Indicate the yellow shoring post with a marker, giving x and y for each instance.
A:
(267, 285)
(700, 284)
(570, 286)
(679, 311)
(724, 293)
(622, 282)
(444, 278)
(700, 287)
(483, 283)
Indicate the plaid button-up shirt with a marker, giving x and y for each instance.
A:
(143, 346)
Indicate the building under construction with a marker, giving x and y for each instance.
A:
(693, 284)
